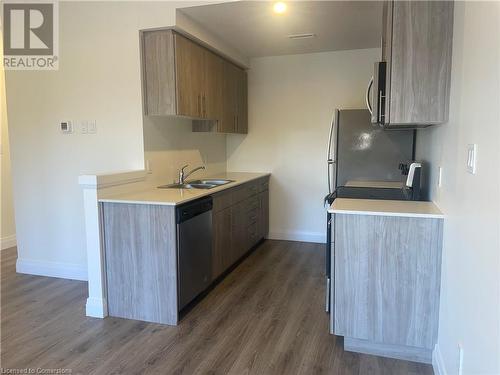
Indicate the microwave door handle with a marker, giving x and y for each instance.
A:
(330, 159)
(367, 98)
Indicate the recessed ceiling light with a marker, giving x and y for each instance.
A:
(279, 7)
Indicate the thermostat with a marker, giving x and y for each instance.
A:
(66, 127)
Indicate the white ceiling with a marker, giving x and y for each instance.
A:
(254, 29)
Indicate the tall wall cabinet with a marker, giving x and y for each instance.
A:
(411, 85)
(183, 78)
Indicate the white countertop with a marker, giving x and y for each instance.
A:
(385, 208)
(173, 197)
(376, 184)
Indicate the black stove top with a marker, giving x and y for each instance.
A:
(399, 194)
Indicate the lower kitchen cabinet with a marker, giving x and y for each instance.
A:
(141, 249)
(141, 261)
(387, 273)
(222, 242)
(241, 220)
(263, 224)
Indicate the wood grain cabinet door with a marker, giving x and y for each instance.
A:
(417, 48)
(212, 96)
(221, 257)
(234, 117)
(242, 102)
(264, 214)
(238, 231)
(387, 279)
(227, 122)
(190, 77)
(158, 73)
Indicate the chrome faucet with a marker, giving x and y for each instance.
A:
(183, 175)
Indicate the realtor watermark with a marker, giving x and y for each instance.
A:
(30, 32)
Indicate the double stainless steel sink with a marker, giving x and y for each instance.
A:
(198, 184)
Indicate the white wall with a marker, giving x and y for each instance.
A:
(8, 228)
(99, 79)
(291, 101)
(470, 293)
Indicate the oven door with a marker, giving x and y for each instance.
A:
(328, 260)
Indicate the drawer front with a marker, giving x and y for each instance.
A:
(252, 188)
(245, 191)
(252, 216)
(264, 184)
(239, 194)
(252, 203)
(222, 200)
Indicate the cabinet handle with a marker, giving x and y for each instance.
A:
(368, 103)
(380, 97)
(204, 106)
(198, 105)
(234, 123)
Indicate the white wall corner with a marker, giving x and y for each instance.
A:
(96, 307)
(51, 269)
(299, 236)
(438, 362)
(8, 242)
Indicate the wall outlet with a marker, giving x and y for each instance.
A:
(440, 177)
(471, 158)
(460, 359)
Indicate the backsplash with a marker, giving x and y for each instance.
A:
(169, 144)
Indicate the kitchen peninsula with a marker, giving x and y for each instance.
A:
(148, 274)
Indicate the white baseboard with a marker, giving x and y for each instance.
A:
(438, 362)
(298, 236)
(52, 269)
(96, 308)
(8, 242)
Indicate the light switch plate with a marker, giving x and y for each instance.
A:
(84, 127)
(471, 158)
(92, 126)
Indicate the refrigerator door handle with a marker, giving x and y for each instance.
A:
(330, 159)
(368, 102)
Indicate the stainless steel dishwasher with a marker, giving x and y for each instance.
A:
(194, 248)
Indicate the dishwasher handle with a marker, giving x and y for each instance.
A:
(191, 209)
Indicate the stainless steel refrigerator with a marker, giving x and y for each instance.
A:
(360, 151)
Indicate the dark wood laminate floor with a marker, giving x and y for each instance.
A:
(266, 317)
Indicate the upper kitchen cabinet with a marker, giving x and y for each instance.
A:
(411, 85)
(190, 78)
(183, 78)
(235, 104)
